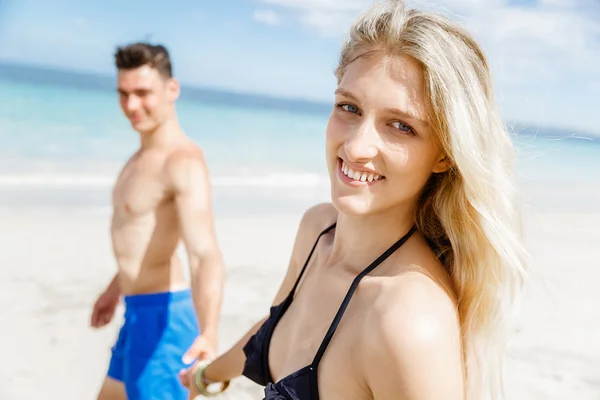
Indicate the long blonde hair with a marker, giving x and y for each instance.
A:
(469, 214)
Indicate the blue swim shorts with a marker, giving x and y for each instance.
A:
(157, 330)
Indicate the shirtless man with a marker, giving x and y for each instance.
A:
(161, 196)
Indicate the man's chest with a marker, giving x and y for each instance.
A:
(139, 190)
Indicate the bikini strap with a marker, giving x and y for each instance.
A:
(326, 230)
(352, 289)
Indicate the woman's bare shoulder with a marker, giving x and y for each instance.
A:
(412, 338)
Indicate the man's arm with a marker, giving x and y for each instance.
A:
(113, 286)
(412, 348)
(192, 195)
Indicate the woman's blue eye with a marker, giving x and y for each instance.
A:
(349, 108)
(401, 126)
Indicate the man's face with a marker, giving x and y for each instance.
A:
(146, 97)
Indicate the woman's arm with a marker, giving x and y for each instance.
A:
(412, 344)
(231, 363)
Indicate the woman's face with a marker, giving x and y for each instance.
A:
(380, 148)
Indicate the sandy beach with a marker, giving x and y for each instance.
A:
(55, 262)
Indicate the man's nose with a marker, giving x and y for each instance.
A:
(132, 103)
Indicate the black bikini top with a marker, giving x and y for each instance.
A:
(302, 384)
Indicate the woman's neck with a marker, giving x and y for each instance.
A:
(359, 240)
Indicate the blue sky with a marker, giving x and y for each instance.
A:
(545, 54)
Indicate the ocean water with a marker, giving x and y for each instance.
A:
(62, 144)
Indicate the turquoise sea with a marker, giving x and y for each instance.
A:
(63, 140)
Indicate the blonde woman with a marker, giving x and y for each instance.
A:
(403, 286)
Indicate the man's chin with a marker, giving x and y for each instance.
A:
(141, 126)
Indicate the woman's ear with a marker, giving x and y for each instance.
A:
(442, 164)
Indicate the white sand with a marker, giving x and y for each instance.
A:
(55, 263)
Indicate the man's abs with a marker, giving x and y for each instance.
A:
(144, 247)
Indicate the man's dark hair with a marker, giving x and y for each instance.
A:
(136, 55)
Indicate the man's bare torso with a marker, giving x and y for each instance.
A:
(144, 228)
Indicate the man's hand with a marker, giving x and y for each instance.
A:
(105, 306)
(203, 348)
(104, 309)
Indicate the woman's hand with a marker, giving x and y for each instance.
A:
(187, 377)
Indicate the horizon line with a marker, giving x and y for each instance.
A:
(100, 81)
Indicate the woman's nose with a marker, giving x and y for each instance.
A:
(362, 143)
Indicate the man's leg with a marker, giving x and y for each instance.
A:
(113, 386)
(112, 390)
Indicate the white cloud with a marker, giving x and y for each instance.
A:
(268, 17)
(326, 23)
(554, 42)
(319, 5)
(329, 16)
(323, 17)
(558, 3)
(550, 39)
